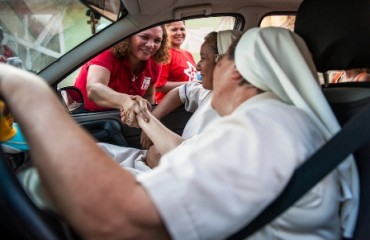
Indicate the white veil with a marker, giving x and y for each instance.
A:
(278, 60)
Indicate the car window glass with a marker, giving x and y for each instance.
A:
(39, 32)
(196, 30)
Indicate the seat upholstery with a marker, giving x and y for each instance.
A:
(355, 98)
(337, 33)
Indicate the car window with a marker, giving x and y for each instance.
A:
(285, 21)
(196, 30)
(38, 34)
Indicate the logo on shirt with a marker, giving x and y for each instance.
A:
(191, 72)
(146, 83)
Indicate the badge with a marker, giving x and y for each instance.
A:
(146, 83)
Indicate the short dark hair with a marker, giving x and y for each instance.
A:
(168, 24)
(211, 39)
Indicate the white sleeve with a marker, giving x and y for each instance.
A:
(192, 94)
(214, 183)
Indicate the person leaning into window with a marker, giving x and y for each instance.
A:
(266, 90)
(181, 68)
(196, 98)
(129, 68)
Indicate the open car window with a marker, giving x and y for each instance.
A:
(285, 21)
(38, 34)
(196, 30)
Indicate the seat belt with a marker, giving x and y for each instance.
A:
(326, 159)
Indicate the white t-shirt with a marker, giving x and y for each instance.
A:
(197, 100)
(213, 184)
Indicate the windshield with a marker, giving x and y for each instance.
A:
(35, 33)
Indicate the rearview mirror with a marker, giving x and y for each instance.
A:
(72, 98)
(110, 9)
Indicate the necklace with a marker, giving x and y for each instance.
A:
(136, 69)
(133, 79)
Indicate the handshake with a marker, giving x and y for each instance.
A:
(136, 112)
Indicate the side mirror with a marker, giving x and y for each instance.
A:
(110, 9)
(72, 98)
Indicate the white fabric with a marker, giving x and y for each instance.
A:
(196, 99)
(281, 63)
(130, 158)
(214, 183)
(30, 180)
(225, 39)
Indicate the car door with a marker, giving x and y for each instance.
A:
(107, 127)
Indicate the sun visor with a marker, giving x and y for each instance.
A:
(147, 7)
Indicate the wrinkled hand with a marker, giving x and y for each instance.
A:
(152, 157)
(137, 107)
(145, 140)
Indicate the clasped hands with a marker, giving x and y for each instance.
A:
(138, 111)
(137, 108)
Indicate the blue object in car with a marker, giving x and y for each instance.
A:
(17, 143)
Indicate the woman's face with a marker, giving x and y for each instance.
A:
(177, 33)
(146, 43)
(206, 65)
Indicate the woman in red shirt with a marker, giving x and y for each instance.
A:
(129, 68)
(181, 68)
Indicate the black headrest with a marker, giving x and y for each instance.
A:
(337, 32)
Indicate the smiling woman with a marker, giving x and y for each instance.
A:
(129, 68)
(181, 68)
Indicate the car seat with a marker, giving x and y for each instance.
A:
(338, 36)
(337, 32)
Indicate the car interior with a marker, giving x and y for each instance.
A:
(336, 43)
(328, 36)
(330, 39)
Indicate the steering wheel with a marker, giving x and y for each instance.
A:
(20, 218)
